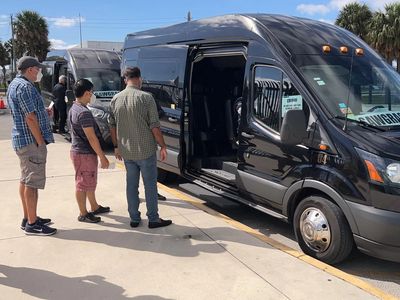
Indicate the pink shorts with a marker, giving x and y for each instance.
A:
(85, 166)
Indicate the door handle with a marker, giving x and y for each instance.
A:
(172, 120)
(247, 135)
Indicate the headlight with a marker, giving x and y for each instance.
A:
(393, 172)
(380, 169)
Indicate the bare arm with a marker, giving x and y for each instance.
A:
(33, 124)
(160, 140)
(114, 139)
(94, 142)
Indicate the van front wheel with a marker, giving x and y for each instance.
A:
(322, 230)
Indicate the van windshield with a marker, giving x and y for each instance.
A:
(106, 83)
(362, 88)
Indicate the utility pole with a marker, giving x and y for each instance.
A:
(80, 29)
(13, 66)
(189, 16)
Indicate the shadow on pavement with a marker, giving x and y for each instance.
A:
(175, 240)
(49, 285)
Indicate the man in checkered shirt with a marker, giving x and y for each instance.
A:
(31, 133)
(135, 132)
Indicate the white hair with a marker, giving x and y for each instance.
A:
(62, 79)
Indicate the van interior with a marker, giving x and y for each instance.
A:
(216, 88)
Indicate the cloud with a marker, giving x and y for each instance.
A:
(336, 5)
(312, 9)
(327, 21)
(59, 44)
(65, 22)
(4, 20)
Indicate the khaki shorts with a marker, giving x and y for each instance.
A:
(33, 165)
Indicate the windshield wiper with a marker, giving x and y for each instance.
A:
(360, 122)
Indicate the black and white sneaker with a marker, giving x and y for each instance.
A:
(89, 218)
(39, 229)
(40, 220)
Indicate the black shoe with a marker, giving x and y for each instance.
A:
(39, 229)
(134, 224)
(101, 210)
(38, 219)
(160, 223)
(89, 218)
(161, 197)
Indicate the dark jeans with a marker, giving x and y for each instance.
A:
(60, 117)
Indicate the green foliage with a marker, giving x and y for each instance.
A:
(380, 29)
(31, 32)
(355, 17)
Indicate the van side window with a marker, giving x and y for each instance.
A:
(47, 80)
(162, 86)
(267, 96)
(274, 94)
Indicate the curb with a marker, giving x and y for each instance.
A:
(299, 255)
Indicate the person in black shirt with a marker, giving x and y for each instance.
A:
(60, 106)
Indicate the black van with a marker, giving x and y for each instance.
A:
(101, 67)
(297, 118)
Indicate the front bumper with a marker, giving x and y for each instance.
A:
(378, 231)
(377, 250)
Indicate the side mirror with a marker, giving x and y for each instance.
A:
(70, 96)
(294, 127)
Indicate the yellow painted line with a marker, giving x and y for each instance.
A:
(300, 255)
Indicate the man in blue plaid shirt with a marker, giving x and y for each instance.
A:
(30, 134)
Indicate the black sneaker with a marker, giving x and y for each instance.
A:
(101, 210)
(39, 229)
(89, 218)
(38, 219)
(134, 224)
(160, 223)
(161, 197)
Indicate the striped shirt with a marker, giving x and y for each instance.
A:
(80, 117)
(134, 114)
(23, 98)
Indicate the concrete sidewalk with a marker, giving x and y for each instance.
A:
(200, 256)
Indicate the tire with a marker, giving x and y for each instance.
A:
(322, 230)
(164, 176)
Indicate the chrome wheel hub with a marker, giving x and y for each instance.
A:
(315, 230)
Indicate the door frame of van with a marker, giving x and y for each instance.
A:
(194, 53)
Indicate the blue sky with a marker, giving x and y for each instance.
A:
(112, 20)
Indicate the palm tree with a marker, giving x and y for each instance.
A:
(31, 33)
(393, 22)
(380, 34)
(355, 17)
(4, 60)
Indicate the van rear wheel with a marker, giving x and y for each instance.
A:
(322, 230)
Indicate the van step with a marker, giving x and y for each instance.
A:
(227, 176)
(200, 191)
(229, 166)
(206, 195)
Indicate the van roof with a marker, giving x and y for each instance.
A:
(87, 57)
(297, 35)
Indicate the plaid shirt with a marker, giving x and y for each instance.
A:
(23, 98)
(134, 114)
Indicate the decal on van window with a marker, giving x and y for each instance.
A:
(294, 102)
(345, 110)
(105, 94)
(388, 118)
